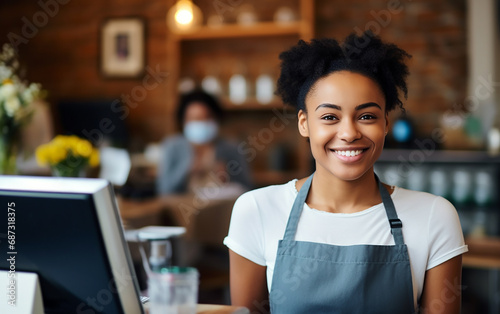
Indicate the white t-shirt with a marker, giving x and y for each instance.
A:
(431, 228)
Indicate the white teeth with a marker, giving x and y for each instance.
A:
(348, 153)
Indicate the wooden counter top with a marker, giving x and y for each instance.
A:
(213, 309)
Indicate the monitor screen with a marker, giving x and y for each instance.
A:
(99, 121)
(68, 231)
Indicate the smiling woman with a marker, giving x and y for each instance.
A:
(341, 241)
(346, 123)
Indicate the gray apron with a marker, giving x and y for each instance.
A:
(322, 278)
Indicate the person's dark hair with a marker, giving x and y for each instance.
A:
(305, 63)
(198, 96)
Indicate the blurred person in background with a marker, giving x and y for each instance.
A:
(199, 157)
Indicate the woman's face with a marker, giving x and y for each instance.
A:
(200, 126)
(346, 124)
(197, 111)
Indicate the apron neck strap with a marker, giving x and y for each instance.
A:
(395, 224)
(298, 205)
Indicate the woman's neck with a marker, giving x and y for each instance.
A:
(332, 194)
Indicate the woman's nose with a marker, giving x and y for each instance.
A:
(348, 131)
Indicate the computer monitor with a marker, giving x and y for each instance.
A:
(97, 120)
(69, 232)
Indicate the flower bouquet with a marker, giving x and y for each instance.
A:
(16, 107)
(67, 156)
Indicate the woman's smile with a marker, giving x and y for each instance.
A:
(349, 154)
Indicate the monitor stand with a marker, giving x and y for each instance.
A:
(23, 293)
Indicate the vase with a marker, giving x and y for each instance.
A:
(8, 153)
(66, 171)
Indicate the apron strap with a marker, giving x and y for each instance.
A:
(300, 200)
(298, 204)
(392, 216)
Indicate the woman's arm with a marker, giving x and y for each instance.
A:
(248, 284)
(442, 288)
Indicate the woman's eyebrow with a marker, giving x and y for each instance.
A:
(358, 107)
(332, 106)
(367, 105)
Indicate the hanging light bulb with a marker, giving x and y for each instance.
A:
(184, 15)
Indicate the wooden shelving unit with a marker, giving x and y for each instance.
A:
(264, 40)
(252, 105)
(261, 29)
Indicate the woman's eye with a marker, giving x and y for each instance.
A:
(329, 117)
(367, 117)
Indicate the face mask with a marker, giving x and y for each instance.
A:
(200, 132)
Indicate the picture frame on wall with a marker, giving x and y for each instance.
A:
(123, 47)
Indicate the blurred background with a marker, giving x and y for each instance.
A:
(112, 72)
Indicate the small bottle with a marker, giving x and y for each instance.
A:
(186, 84)
(246, 15)
(439, 182)
(264, 89)
(211, 83)
(284, 15)
(238, 86)
(494, 141)
(462, 186)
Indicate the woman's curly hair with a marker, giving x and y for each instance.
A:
(305, 63)
(198, 96)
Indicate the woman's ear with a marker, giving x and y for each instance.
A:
(302, 123)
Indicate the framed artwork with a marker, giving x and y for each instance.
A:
(123, 47)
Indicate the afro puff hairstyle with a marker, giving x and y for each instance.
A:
(305, 63)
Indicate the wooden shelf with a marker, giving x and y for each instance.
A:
(240, 31)
(440, 156)
(253, 105)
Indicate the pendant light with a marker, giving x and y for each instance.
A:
(184, 16)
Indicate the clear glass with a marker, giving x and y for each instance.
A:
(173, 290)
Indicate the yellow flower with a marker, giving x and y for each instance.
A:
(94, 158)
(72, 141)
(42, 155)
(83, 148)
(59, 140)
(57, 154)
(67, 149)
(7, 81)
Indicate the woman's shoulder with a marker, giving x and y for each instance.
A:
(419, 201)
(412, 195)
